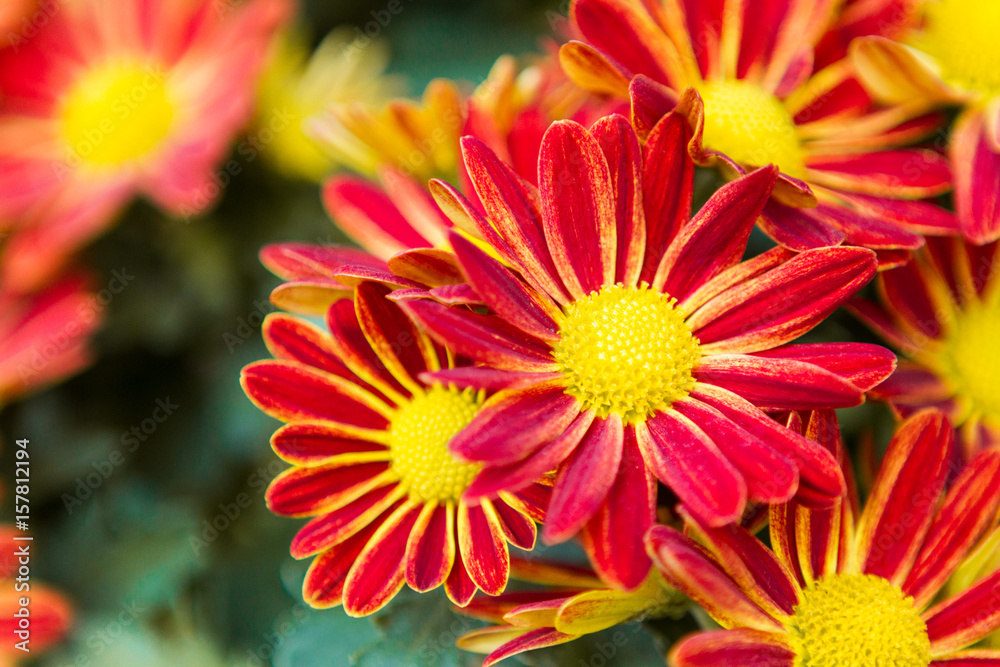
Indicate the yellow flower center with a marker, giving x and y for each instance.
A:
(972, 357)
(116, 114)
(418, 443)
(962, 36)
(751, 126)
(626, 350)
(858, 619)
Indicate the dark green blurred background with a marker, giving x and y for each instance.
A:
(123, 506)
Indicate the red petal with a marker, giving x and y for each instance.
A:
(483, 547)
(309, 491)
(716, 237)
(517, 527)
(966, 618)
(313, 443)
(624, 157)
(584, 480)
(668, 186)
(516, 216)
(334, 527)
(910, 173)
(578, 208)
(485, 338)
(977, 188)
(292, 392)
(761, 313)
(378, 573)
(966, 513)
(751, 565)
(369, 217)
(508, 296)
(862, 364)
(430, 549)
(770, 476)
(513, 424)
(798, 228)
(732, 647)
(613, 538)
(902, 502)
(821, 481)
(324, 583)
(520, 474)
(778, 384)
(685, 459)
(651, 101)
(297, 261)
(687, 568)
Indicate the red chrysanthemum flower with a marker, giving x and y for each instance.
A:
(51, 614)
(115, 98)
(632, 344)
(44, 337)
(942, 311)
(950, 58)
(368, 441)
(752, 64)
(843, 587)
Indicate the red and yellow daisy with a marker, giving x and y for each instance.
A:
(574, 603)
(117, 98)
(951, 58)
(633, 345)
(51, 614)
(942, 311)
(843, 587)
(368, 441)
(44, 337)
(752, 65)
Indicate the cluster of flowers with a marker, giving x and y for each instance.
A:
(539, 331)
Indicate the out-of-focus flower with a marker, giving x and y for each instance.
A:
(942, 311)
(368, 437)
(860, 18)
(50, 613)
(751, 64)
(632, 344)
(297, 87)
(396, 219)
(509, 111)
(43, 337)
(843, 587)
(951, 58)
(19, 19)
(574, 602)
(117, 98)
